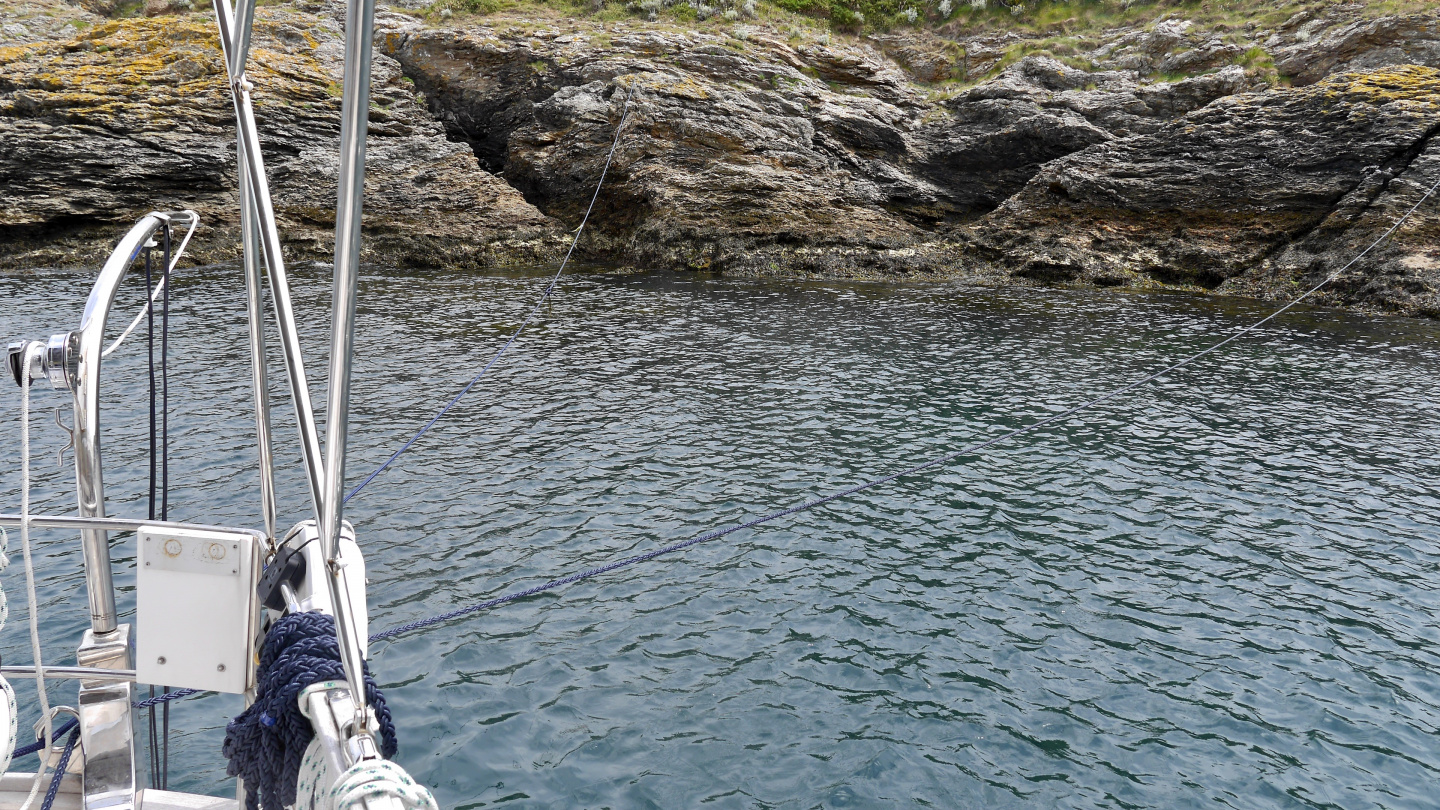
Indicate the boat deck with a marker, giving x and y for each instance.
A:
(14, 787)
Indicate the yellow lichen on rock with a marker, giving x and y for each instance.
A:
(163, 63)
(677, 87)
(1398, 83)
(135, 114)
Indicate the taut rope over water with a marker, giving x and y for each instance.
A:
(543, 297)
(908, 471)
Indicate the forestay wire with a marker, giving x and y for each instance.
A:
(908, 471)
(543, 297)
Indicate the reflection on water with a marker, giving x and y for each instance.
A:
(1217, 591)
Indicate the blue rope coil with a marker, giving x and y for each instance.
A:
(266, 743)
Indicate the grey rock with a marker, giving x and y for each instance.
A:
(1212, 197)
(1362, 45)
(738, 155)
(747, 153)
(99, 129)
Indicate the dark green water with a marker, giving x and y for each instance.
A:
(1220, 591)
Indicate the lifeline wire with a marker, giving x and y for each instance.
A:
(149, 313)
(908, 471)
(543, 297)
(165, 467)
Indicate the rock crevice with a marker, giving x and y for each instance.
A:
(752, 153)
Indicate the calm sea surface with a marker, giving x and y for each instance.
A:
(1219, 591)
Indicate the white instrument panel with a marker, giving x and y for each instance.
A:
(195, 606)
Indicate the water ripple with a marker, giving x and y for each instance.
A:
(1218, 591)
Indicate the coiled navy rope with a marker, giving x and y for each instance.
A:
(266, 743)
(543, 297)
(908, 471)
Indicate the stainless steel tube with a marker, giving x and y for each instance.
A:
(354, 121)
(88, 673)
(250, 245)
(244, 25)
(89, 481)
(111, 524)
(259, 378)
(264, 212)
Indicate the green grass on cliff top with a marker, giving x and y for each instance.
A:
(1065, 29)
(1070, 17)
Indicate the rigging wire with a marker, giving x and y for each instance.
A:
(906, 472)
(31, 351)
(165, 472)
(159, 462)
(149, 312)
(29, 355)
(619, 128)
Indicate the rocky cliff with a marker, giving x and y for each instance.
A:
(119, 117)
(1167, 156)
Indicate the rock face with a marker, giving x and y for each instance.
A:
(740, 157)
(41, 20)
(1402, 274)
(1217, 193)
(737, 154)
(749, 151)
(1362, 45)
(998, 135)
(130, 116)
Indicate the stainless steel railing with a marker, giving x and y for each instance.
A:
(84, 381)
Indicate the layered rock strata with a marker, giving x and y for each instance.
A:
(752, 155)
(129, 116)
(749, 151)
(1276, 186)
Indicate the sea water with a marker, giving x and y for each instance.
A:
(1220, 590)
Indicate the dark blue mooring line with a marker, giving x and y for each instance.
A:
(27, 750)
(543, 297)
(60, 767)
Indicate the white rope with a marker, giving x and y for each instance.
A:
(39, 777)
(12, 730)
(26, 360)
(375, 778)
(31, 350)
(313, 783)
(174, 261)
(49, 758)
(139, 316)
